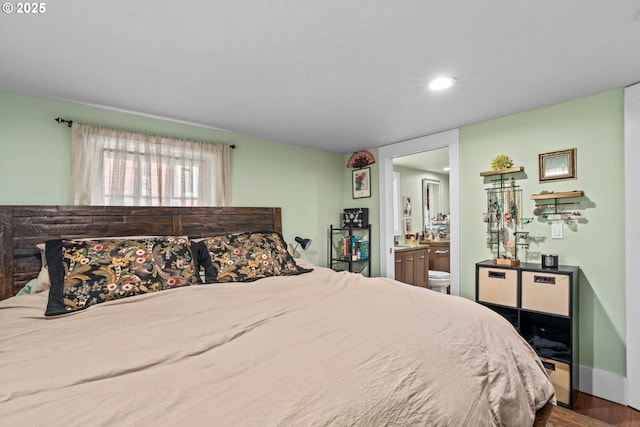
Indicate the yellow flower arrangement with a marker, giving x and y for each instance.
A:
(501, 162)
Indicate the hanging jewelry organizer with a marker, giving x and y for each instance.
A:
(549, 206)
(504, 217)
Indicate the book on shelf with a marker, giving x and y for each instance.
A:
(354, 249)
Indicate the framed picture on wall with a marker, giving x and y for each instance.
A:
(361, 182)
(406, 206)
(407, 226)
(557, 165)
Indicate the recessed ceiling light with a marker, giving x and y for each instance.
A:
(441, 83)
(446, 168)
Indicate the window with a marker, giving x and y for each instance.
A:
(112, 167)
(146, 188)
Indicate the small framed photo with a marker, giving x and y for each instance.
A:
(361, 183)
(557, 165)
(408, 228)
(406, 206)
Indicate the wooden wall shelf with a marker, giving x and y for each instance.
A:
(560, 195)
(503, 171)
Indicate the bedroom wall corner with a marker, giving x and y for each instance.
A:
(593, 125)
(306, 183)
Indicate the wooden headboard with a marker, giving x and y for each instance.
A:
(25, 226)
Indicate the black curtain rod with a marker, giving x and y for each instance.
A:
(61, 120)
(70, 122)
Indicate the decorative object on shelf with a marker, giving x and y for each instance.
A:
(361, 183)
(305, 243)
(501, 162)
(549, 261)
(355, 217)
(557, 165)
(439, 229)
(507, 261)
(361, 159)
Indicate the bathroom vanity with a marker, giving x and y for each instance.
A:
(439, 255)
(412, 264)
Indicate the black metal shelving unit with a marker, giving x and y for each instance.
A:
(350, 249)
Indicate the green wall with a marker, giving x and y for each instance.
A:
(35, 168)
(595, 127)
(372, 203)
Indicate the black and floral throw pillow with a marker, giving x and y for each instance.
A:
(89, 272)
(248, 256)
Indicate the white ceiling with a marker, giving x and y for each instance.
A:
(333, 75)
(430, 161)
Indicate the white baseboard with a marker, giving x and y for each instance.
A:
(603, 384)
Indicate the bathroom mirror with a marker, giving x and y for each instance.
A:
(430, 201)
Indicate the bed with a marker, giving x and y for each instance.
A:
(311, 348)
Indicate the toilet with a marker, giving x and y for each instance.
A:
(439, 280)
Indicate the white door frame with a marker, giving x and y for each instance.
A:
(632, 241)
(385, 160)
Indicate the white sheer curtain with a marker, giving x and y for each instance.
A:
(114, 167)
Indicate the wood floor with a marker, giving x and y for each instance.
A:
(588, 411)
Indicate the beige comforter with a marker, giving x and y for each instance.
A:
(319, 349)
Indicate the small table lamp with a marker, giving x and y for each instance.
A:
(305, 243)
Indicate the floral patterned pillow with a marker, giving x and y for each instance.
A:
(248, 256)
(88, 272)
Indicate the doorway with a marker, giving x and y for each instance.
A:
(423, 183)
(386, 155)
